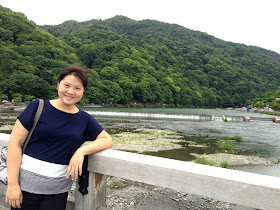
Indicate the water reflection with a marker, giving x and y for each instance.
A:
(192, 144)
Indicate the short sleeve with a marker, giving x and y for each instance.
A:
(93, 129)
(27, 116)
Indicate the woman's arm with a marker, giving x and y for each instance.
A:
(14, 155)
(103, 141)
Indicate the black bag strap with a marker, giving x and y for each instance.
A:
(36, 118)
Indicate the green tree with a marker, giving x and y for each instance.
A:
(26, 84)
(17, 97)
(95, 95)
(128, 87)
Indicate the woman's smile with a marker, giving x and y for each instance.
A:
(70, 90)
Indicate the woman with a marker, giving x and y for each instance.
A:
(43, 175)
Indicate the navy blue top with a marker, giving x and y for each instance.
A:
(57, 134)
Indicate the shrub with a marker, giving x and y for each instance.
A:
(225, 164)
(211, 162)
(227, 146)
(237, 138)
(204, 161)
(201, 160)
(229, 142)
(162, 133)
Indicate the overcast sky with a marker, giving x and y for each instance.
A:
(250, 22)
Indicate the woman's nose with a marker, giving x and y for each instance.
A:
(70, 90)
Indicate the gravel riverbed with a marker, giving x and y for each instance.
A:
(125, 194)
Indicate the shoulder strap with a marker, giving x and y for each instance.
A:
(36, 118)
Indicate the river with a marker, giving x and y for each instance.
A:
(260, 137)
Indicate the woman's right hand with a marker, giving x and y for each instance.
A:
(14, 196)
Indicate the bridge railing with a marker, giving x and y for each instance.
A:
(237, 187)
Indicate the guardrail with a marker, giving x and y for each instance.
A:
(243, 188)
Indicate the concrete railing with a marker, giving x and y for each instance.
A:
(246, 189)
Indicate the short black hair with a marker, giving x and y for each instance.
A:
(77, 72)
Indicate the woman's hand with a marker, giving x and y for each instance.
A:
(17, 138)
(103, 141)
(14, 196)
(76, 164)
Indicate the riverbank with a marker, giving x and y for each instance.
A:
(147, 140)
(126, 194)
(12, 106)
(236, 160)
(153, 140)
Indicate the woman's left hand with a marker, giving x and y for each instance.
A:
(75, 165)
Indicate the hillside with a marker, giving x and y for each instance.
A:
(167, 63)
(140, 61)
(30, 58)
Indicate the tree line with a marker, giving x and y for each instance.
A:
(131, 61)
(269, 99)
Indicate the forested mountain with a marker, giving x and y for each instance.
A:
(30, 58)
(139, 61)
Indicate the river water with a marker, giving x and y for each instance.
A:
(260, 136)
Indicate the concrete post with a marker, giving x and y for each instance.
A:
(276, 119)
(246, 118)
(96, 197)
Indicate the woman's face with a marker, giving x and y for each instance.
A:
(70, 90)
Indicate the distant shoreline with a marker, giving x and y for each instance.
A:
(13, 105)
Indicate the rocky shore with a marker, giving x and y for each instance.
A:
(125, 194)
(130, 195)
(153, 140)
(147, 140)
(235, 160)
